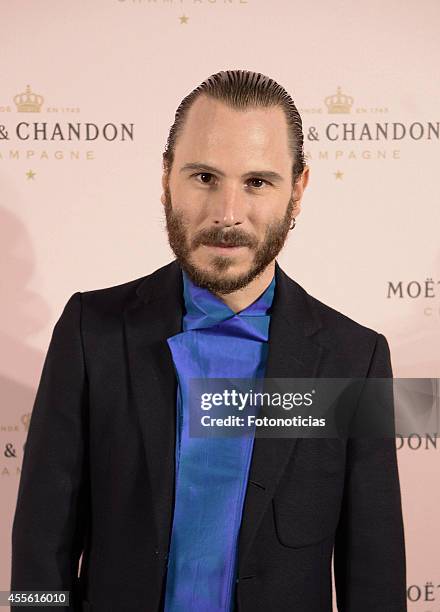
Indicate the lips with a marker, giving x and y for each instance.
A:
(225, 246)
(224, 249)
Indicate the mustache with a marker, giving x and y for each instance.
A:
(218, 237)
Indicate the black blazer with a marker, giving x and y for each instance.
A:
(98, 468)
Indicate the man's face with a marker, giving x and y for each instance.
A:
(229, 198)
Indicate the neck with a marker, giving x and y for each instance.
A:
(242, 298)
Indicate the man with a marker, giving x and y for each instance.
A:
(166, 521)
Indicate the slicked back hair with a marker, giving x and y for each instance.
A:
(243, 89)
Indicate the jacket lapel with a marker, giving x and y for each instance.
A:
(292, 354)
(155, 316)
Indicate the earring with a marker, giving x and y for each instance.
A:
(293, 223)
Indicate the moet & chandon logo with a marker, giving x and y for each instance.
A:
(31, 102)
(339, 139)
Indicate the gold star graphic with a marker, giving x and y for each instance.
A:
(30, 174)
(338, 175)
(184, 19)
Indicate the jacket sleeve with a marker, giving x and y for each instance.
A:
(369, 552)
(51, 510)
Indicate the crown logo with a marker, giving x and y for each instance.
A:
(28, 102)
(339, 103)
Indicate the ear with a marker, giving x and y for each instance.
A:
(164, 186)
(298, 190)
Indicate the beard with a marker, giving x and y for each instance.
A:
(215, 279)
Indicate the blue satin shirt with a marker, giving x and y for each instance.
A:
(211, 473)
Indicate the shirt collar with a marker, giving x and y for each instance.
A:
(204, 309)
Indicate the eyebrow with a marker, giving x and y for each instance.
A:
(270, 175)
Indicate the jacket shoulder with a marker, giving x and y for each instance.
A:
(337, 321)
(352, 342)
(113, 294)
(115, 298)
(328, 320)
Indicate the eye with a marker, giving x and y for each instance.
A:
(204, 177)
(258, 182)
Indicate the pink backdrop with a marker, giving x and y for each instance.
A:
(85, 213)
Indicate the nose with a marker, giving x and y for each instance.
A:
(227, 205)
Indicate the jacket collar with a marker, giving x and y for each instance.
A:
(290, 300)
